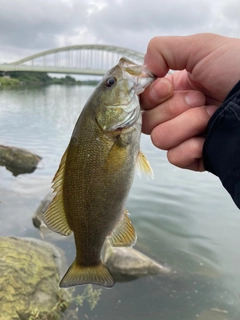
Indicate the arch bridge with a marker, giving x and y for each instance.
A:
(88, 59)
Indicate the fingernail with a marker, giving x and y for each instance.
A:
(195, 99)
(211, 109)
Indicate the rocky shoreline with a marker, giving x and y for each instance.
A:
(31, 269)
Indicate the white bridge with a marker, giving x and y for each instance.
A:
(87, 59)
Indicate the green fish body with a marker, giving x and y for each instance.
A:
(96, 173)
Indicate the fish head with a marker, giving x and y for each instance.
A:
(118, 103)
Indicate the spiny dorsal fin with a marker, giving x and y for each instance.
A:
(55, 217)
(123, 234)
(96, 274)
(144, 166)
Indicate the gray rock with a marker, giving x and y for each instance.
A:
(29, 279)
(128, 264)
(37, 217)
(18, 160)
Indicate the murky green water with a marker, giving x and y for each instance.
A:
(182, 218)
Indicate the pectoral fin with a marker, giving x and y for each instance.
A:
(144, 166)
(55, 217)
(123, 234)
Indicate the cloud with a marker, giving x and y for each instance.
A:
(28, 26)
(36, 24)
(141, 15)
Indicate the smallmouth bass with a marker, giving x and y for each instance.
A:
(96, 173)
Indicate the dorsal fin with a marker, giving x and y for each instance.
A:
(143, 165)
(123, 234)
(55, 217)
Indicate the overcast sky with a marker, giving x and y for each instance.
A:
(31, 26)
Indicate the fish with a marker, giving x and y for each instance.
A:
(96, 172)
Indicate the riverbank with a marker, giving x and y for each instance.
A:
(39, 78)
(9, 82)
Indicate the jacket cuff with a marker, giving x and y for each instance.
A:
(221, 150)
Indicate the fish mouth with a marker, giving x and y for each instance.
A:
(138, 74)
(144, 81)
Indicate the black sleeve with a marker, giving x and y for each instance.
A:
(221, 150)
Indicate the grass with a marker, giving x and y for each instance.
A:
(8, 82)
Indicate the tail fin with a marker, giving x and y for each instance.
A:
(77, 275)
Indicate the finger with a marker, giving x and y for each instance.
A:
(180, 81)
(177, 53)
(171, 108)
(188, 155)
(159, 91)
(200, 55)
(188, 124)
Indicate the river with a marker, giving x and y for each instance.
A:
(184, 219)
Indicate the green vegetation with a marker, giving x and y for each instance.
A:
(39, 78)
(89, 295)
(30, 77)
(8, 82)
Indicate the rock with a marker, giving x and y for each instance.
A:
(37, 217)
(29, 279)
(18, 160)
(128, 264)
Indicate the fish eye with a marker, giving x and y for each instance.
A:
(110, 82)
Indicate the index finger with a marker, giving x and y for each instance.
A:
(159, 91)
(176, 52)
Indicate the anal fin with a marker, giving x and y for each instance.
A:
(123, 234)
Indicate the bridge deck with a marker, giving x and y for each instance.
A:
(10, 67)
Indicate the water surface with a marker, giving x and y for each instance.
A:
(184, 219)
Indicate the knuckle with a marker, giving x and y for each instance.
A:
(197, 119)
(172, 158)
(158, 139)
(152, 43)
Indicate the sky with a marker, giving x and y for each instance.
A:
(31, 26)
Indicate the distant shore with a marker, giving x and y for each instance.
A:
(13, 79)
(9, 82)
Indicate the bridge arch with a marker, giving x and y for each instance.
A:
(77, 59)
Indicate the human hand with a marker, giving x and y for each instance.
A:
(211, 67)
